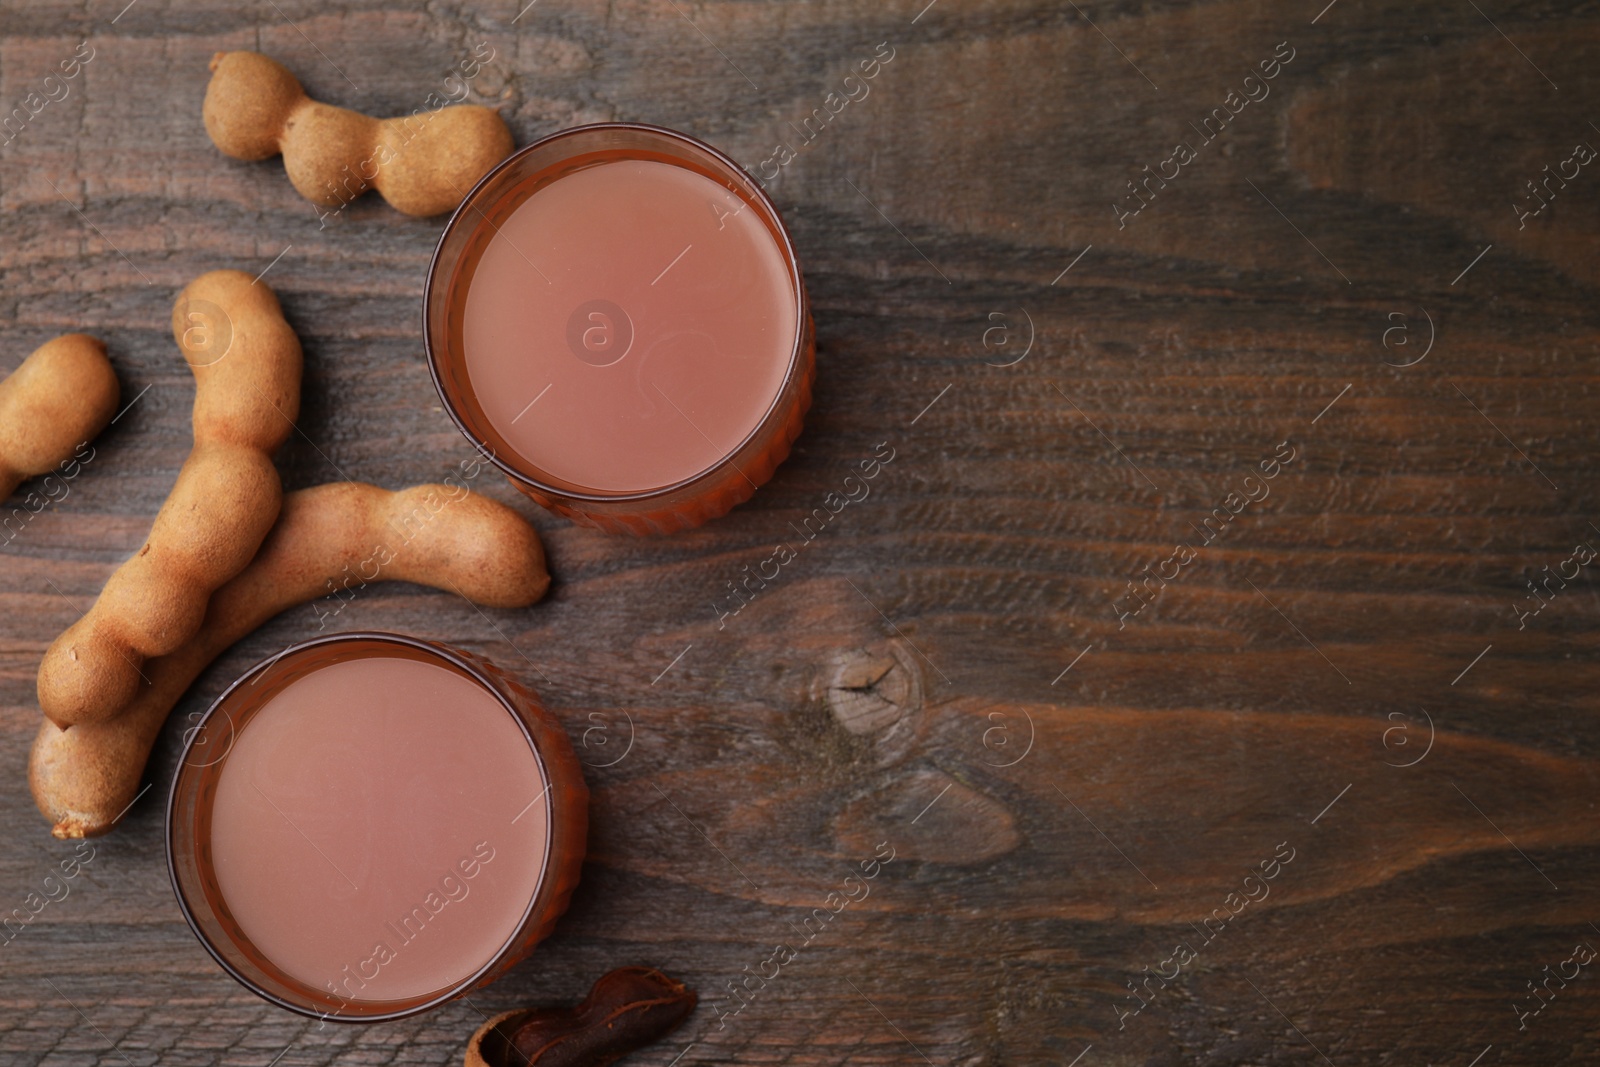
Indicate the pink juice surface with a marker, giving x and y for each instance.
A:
(629, 325)
(371, 831)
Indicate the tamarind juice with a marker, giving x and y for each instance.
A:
(378, 827)
(623, 319)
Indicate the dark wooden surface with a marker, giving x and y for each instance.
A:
(1296, 661)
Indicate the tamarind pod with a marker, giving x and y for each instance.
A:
(469, 138)
(422, 164)
(246, 363)
(84, 778)
(61, 397)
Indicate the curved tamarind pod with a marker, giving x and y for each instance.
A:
(61, 397)
(246, 364)
(422, 164)
(85, 777)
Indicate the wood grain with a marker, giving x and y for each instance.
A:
(1269, 695)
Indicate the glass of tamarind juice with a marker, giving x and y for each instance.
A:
(615, 316)
(368, 825)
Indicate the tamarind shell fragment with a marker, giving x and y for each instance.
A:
(627, 1009)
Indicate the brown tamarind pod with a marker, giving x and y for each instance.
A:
(61, 397)
(246, 365)
(326, 538)
(626, 1009)
(422, 164)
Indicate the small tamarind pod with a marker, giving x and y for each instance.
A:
(422, 164)
(61, 397)
(246, 364)
(627, 1009)
(84, 778)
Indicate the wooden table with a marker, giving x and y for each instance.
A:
(954, 668)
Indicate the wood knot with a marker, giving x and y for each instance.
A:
(870, 691)
(929, 816)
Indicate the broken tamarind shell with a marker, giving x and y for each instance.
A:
(626, 1009)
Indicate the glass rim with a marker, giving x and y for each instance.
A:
(591, 496)
(455, 989)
